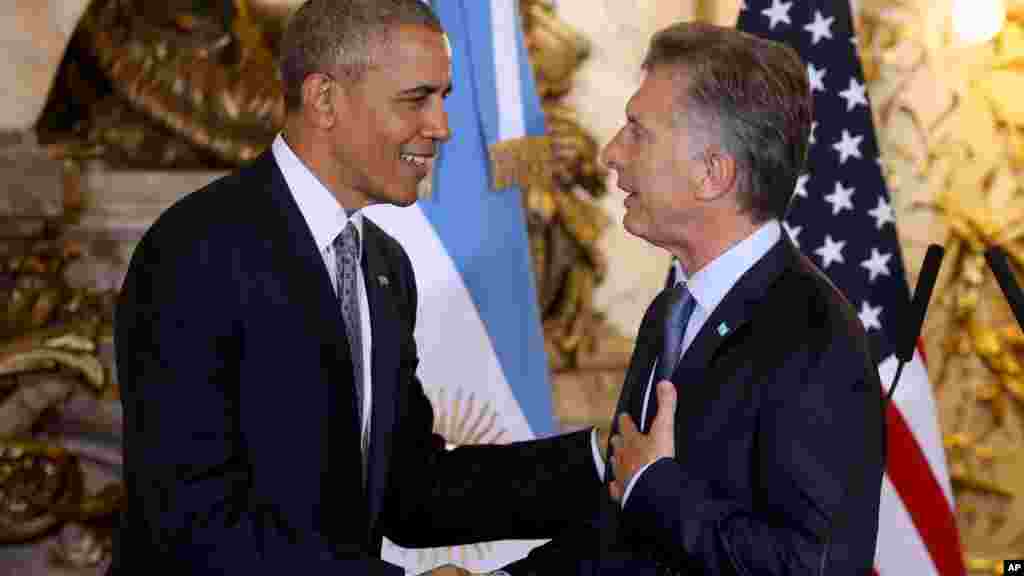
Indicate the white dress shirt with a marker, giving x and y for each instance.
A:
(326, 218)
(709, 286)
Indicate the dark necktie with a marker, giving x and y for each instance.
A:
(680, 308)
(346, 258)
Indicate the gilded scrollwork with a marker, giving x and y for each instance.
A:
(215, 85)
(564, 221)
(51, 376)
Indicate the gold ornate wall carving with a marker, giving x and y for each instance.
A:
(172, 85)
(565, 222)
(53, 386)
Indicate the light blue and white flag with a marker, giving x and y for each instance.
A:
(481, 346)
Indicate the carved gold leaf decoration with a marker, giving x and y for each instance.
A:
(525, 162)
(48, 355)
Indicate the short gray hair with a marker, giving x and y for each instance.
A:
(756, 92)
(323, 34)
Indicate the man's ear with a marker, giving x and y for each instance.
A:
(319, 99)
(718, 176)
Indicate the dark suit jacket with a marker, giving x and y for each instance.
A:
(241, 444)
(780, 439)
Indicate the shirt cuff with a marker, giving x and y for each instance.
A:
(598, 462)
(632, 482)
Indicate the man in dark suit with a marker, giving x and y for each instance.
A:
(771, 460)
(274, 423)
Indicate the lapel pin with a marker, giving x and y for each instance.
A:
(383, 280)
(723, 329)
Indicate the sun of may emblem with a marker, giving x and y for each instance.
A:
(465, 420)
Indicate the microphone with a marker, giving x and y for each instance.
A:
(914, 318)
(1000, 266)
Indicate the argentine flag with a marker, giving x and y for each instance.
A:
(481, 347)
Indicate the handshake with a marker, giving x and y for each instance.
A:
(631, 451)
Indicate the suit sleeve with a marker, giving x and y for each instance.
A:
(190, 494)
(819, 466)
(478, 493)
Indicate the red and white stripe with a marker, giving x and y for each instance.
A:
(917, 531)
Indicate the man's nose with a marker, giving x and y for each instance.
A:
(436, 127)
(608, 157)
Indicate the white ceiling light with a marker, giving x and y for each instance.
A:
(977, 21)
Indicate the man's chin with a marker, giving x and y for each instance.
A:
(407, 196)
(630, 225)
(398, 197)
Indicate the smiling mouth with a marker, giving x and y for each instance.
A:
(630, 196)
(416, 160)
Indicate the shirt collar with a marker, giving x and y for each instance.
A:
(322, 212)
(710, 284)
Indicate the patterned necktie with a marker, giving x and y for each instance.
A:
(346, 260)
(680, 308)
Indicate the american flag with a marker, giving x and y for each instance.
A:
(842, 219)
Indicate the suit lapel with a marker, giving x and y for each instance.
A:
(296, 254)
(733, 313)
(300, 266)
(386, 326)
(645, 352)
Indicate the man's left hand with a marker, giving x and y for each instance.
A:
(633, 450)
